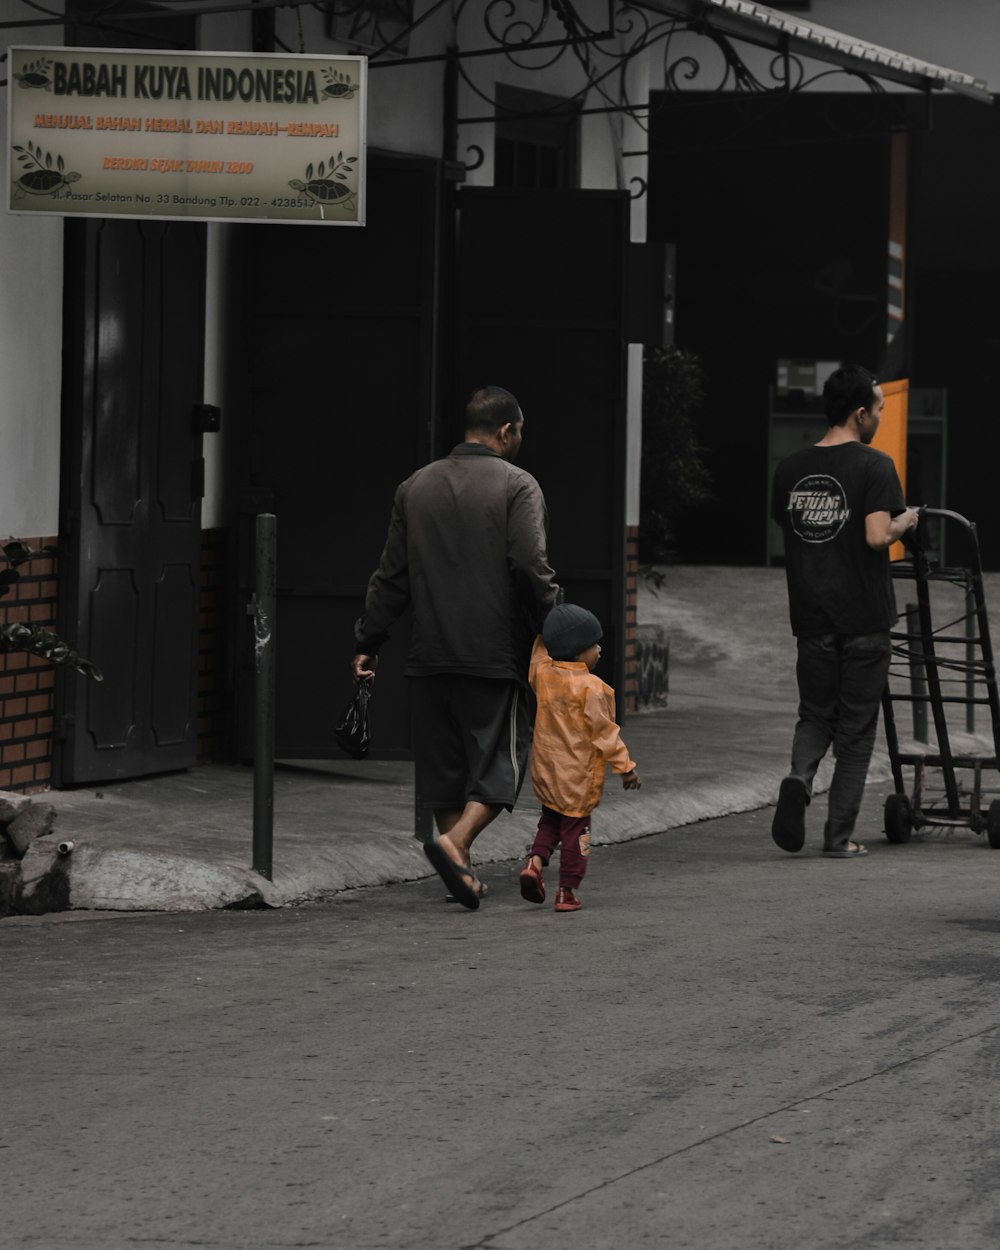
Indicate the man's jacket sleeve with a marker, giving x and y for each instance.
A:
(527, 555)
(389, 587)
(540, 659)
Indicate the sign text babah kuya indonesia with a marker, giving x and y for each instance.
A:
(174, 82)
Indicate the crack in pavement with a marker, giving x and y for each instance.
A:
(484, 1243)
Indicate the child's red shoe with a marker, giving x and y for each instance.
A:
(566, 900)
(532, 883)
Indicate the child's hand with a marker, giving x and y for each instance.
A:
(631, 781)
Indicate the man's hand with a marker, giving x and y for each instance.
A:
(882, 530)
(631, 781)
(908, 520)
(363, 667)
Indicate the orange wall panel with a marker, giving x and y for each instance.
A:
(891, 437)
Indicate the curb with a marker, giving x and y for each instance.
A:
(89, 876)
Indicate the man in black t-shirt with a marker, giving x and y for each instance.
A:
(840, 506)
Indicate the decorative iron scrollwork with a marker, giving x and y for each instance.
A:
(536, 34)
(380, 27)
(786, 72)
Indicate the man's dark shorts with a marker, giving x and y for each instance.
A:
(470, 740)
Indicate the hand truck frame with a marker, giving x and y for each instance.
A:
(936, 659)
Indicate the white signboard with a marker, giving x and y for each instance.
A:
(201, 136)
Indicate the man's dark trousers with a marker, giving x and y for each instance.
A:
(841, 679)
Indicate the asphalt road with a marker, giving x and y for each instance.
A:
(726, 1048)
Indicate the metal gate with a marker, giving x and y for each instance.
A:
(339, 356)
(541, 312)
(361, 348)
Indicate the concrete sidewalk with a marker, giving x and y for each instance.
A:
(184, 841)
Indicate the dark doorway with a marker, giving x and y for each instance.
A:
(954, 275)
(779, 209)
(131, 495)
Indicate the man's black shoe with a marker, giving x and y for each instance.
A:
(789, 825)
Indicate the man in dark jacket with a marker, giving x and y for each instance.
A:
(467, 548)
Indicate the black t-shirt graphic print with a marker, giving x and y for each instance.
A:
(836, 583)
(817, 508)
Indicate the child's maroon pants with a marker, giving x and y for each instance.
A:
(572, 835)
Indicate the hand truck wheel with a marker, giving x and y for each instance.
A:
(899, 818)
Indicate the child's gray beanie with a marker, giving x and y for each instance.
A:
(570, 629)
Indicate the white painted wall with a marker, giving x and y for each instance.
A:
(405, 103)
(31, 373)
(31, 269)
(229, 32)
(215, 509)
(600, 134)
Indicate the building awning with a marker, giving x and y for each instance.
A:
(784, 32)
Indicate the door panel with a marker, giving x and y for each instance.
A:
(131, 511)
(541, 312)
(175, 607)
(113, 630)
(340, 345)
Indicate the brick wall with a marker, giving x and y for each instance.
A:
(215, 695)
(27, 683)
(631, 616)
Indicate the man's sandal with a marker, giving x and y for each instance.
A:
(461, 882)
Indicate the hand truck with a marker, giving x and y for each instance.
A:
(942, 668)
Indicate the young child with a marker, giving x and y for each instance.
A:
(575, 738)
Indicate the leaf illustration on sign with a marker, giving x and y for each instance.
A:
(328, 186)
(36, 74)
(339, 85)
(38, 176)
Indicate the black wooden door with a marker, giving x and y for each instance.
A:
(131, 495)
(541, 312)
(338, 355)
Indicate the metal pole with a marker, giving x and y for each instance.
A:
(264, 654)
(970, 659)
(423, 820)
(918, 681)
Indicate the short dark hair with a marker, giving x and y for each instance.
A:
(846, 390)
(489, 408)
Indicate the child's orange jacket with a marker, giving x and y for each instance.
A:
(576, 735)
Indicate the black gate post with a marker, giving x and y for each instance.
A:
(264, 652)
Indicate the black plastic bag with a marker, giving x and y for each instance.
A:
(353, 730)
